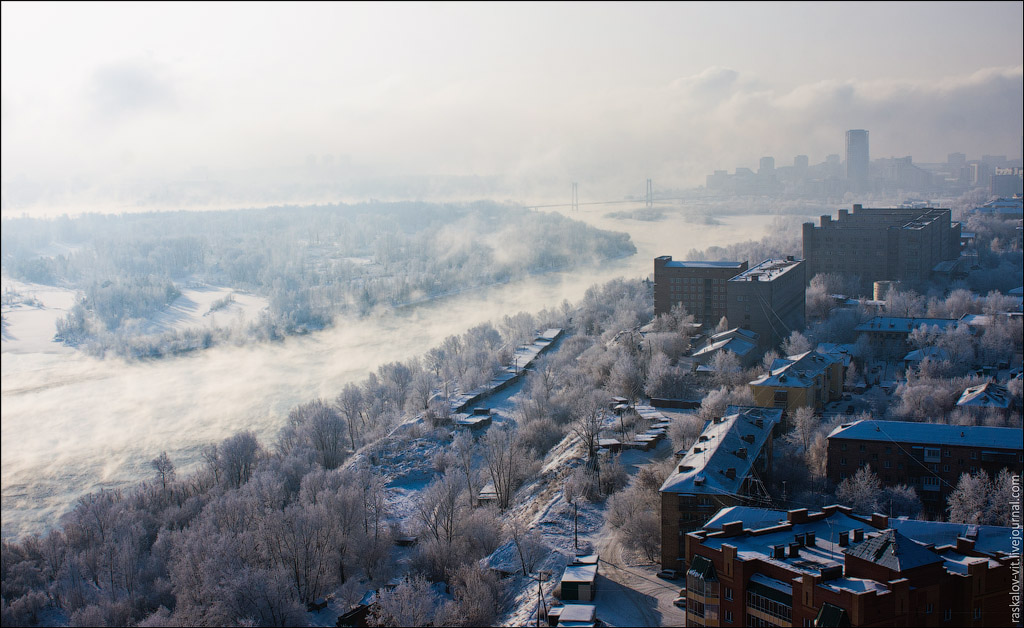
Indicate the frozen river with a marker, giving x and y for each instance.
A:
(72, 424)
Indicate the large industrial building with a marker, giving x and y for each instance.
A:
(875, 244)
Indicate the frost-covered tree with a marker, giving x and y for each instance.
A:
(861, 491)
(969, 501)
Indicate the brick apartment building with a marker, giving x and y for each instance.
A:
(768, 299)
(727, 465)
(754, 567)
(875, 244)
(699, 286)
(927, 456)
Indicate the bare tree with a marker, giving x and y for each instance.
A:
(238, 457)
(805, 426)
(504, 462)
(411, 603)
(529, 546)
(350, 404)
(164, 469)
(861, 491)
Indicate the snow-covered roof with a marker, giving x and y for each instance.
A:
(933, 353)
(768, 270)
(577, 615)
(842, 352)
(727, 447)
(796, 371)
(702, 264)
(987, 395)
(736, 345)
(931, 434)
(895, 551)
(902, 325)
(902, 544)
(579, 573)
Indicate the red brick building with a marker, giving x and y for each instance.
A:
(834, 568)
(699, 286)
(927, 456)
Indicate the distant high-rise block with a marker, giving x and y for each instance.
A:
(767, 165)
(857, 158)
(801, 162)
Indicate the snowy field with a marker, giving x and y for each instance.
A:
(31, 311)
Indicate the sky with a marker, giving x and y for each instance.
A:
(124, 92)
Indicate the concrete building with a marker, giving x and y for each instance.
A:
(927, 456)
(876, 244)
(889, 336)
(727, 466)
(857, 159)
(755, 567)
(808, 380)
(699, 286)
(768, 299)
(740, 342)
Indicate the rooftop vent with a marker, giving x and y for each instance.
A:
(858, 535)
(730, 473)
(832, 573)
(703, 438)
(698, 450)
(778, 551)
(748, 438)
(844, 539)
(800, 539)
(811, 539)
(794, 550)
(742, 453)
(683, 468)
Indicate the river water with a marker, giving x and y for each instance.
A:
(72, 424)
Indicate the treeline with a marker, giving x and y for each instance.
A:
(310, 263)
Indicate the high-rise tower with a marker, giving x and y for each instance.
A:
(857, 159)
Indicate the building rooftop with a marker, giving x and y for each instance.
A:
(768, 270)
(796, 371)
(724, 452)
(931, 434)
(817, 543)
(702, 264)
(987, 395)
(579, 573)
(903, 325)
(933, 353)
(737, 345)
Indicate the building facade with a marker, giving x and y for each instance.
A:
(768, 299)
(835, 568)
(808, 380)
(927, 456)
(728, 465)
(699, 286)
(876, 244)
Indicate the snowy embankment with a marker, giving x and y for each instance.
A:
(31, 312)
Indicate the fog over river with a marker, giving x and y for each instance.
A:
(74, 424)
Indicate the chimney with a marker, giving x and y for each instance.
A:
(794, 550)
(748, 438)
(759, 422)
(879, 520)
(732, 528)
(798, 515)
(778, 551)
(844, 539)
(858, 535)
(730, 473)
(698, 450)
(832, 573)
(811, 538)
(742, 452)
(800, 539)
(964, 545)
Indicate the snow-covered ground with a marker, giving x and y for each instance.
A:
(31, 311)
(30, 314)
(197, 307)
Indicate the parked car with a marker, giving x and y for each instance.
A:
(668, 574)
(680, 602)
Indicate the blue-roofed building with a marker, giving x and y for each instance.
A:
(931, 457)
(759, 567)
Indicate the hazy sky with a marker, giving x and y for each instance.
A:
(584, 91)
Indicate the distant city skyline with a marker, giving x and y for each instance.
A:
(99, 95)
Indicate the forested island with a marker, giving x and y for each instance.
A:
(310, 264)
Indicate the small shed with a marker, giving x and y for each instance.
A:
(611, 444)
(488, 493)
(578, 582)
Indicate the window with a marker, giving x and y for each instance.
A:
(874, 456)
(863, 448)
(945, 467)
(948, 615)
(928, 608)
(888, 450)
(946, 453)
(977, 612)
(842, 462)
(728, 593)
(930, 483)
(888, 464)
(974, 455)
(842, 447)
(728, 616)
(931, 454)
